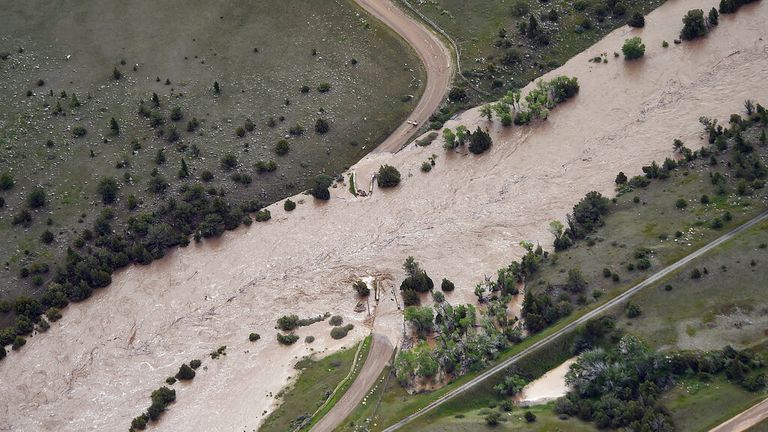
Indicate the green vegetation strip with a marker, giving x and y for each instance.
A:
(536, 342)
(338, 392)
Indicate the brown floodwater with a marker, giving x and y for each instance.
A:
(94, 369)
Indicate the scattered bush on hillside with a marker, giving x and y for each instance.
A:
(287, 339)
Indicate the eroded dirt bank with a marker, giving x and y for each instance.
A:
(94, 370)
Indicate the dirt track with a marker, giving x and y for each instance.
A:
(745, 420)
(435, 57)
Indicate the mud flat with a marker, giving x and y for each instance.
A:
(95, 369)
(548, 387)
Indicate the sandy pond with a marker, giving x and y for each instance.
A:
(94, 370)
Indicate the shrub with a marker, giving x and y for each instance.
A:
(632, 310)
(479, 141)
(229, 161)
(253, 337)
(206, 176)
(140, 422)
(194, 364)
(79, 131)
(695, 274)
(288, 322)
(637, 20)
(447, 285)
(388, 176)
(693, 25)
(46, 237)
(361, 288)
(341, 332)
(282, 147)
(18, 343)
(6, 181)
(320, 188)
(170, 380)
(36, 198)
(336, 320)
(288, 339)
(530, 417)
(53, 314)
(322, 126)
(185, 373)
(309, 339)
(493, 418)
(438, 297)
(289, 205)
(324, 87)
(410, 298)
(633, 48)
(681, 203)
(240, 131)
(714, 17)
(108, 188)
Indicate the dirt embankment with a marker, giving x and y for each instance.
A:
(95, 369)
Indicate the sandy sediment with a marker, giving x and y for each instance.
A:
(94, 370)
(548, 387)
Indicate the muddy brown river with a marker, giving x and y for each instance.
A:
(94, 369)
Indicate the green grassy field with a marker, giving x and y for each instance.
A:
(314, 385)
(669, 234)
(261, 56)
(698, 406)
(495, 63)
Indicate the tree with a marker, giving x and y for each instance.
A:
(632, 310)
(447, 285)
(229, 161)
(693, 25)
(216, 88)
(253, 337)
(114, 126)
(511, 385)
(576, 282)
(108, 188)
(116, 74)
(493, 418)
(160, 157)
(479, 141)
(185, 373)
(361, 288)
(487, 112)
(79, 131)
(282, 147)
(421, 318)
(322, 126)
(621, 179)
(388, 176)
(184, 170)
(530, 417)
(36, 198)
(6, 181)
(46, 237)
(633, 48)
(155, 100)
(714, 17)
(637, 20)
(320, 189)
(289, 205)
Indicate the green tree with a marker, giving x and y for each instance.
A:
(184, 170)
(108, 189)
(229, 161)
(320, 188)
(6, 181)
(216, 87)
(36, 198)
(114, 126)
(322, 126)
(421, 318)
(479, 141)
(387, 176)
(282, 147)
(633, 48)
(693, 25)
(185, 373)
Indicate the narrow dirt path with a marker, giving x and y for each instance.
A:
(437, 61)
(745, 420)
(387, 327)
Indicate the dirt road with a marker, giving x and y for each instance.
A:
(746, 419)
(437, 62)
(386, 333)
